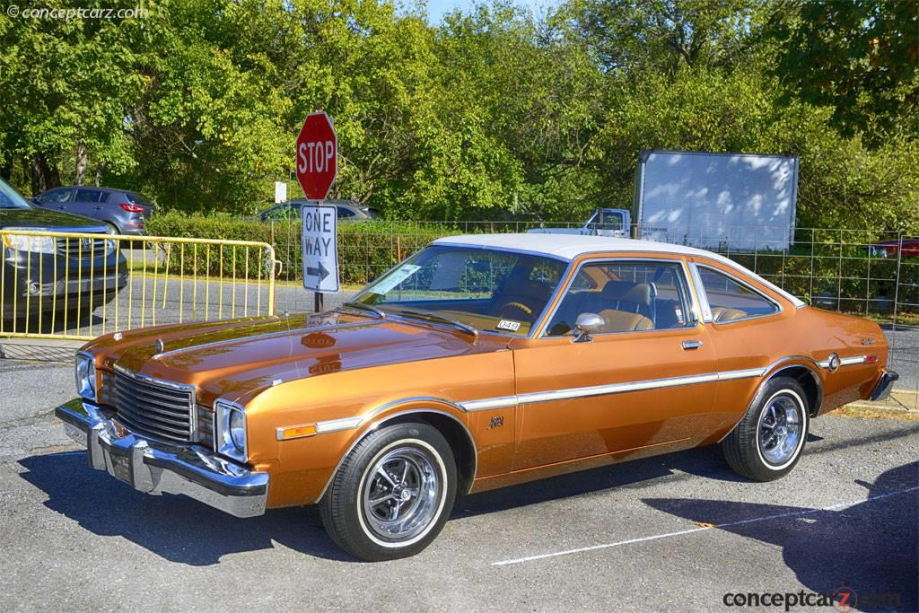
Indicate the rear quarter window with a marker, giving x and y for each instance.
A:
(731, 300)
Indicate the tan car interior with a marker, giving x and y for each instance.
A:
(721, 314)
(623, 306)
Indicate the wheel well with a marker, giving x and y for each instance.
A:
(809, 381)
(457, 436)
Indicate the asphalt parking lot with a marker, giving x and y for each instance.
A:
(675, 532)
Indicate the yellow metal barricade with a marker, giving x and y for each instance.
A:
(75, 286)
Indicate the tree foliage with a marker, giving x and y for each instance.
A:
(493, 113)
(859, 56)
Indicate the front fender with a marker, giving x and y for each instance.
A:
(306, 465)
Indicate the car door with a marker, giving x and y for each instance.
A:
(58, 199)
(89, 202)
(646, 381)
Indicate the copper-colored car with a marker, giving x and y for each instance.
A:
(479, 362)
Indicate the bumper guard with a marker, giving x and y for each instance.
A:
(157, 468)
(882, 389)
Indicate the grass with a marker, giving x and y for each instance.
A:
(860, 411)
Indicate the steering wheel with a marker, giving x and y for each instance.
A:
(516, 305)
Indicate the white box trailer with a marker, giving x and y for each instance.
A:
(724, 201)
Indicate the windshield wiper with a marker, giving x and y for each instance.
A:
(432, 316)
(360, 306)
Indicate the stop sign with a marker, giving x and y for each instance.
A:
(317, 156)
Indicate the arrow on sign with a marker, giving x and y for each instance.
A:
(321, 271)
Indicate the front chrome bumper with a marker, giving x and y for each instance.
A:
(882, 389)
(156, 468)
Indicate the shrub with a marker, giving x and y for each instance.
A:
(366, 249)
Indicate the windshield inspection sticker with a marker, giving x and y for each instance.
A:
(389, 283)
(506, 324)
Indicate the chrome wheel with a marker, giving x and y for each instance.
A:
(780, 429)
(402, 493)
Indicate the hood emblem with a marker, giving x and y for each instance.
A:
(160, 346)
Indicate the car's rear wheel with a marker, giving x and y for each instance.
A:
(768, 441)
(393, 493)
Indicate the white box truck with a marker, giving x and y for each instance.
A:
(724, 201)
(719, 201)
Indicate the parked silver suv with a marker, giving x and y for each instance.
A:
(123, 212)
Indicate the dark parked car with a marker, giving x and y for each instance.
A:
(122, 212)
(40, 274)
(348, 210)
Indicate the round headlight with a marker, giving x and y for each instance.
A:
(238, 430)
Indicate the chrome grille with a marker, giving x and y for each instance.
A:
(158, 408)
(82, 248)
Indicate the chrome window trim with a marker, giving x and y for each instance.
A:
(594, 260)
(779, 310)
(694, 304)
(700, 291)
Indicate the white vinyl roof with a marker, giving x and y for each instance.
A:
(570, 246)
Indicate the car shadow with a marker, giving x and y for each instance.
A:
(870, 549)
(187, 532)
(173, 527)
(705, 462)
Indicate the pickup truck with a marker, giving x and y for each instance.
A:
(604, 222)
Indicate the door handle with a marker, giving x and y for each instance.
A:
(687, 345)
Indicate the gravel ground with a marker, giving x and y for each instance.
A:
(630, 537)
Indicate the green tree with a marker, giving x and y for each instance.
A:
(65, 84)
(859, 56)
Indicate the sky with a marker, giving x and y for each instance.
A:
(438, 8)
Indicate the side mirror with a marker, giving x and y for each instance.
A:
(587, 324)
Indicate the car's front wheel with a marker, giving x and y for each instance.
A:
(768, 441)
(393, 493)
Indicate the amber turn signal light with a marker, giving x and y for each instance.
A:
(296, 432)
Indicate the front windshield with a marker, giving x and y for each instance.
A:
(491, 290)
(9, 199)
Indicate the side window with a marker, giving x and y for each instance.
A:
(88, 195)
(344, 213)
(630, 296)
(57, 195)
(730, 300)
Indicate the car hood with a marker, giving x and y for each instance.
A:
(44, 219)
(233, 358)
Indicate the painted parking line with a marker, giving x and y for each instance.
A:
(656, 537)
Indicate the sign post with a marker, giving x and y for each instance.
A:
(317, 167)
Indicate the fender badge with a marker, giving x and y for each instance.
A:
(833, 363)
(160, 346)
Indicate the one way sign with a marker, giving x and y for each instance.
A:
(320, 248)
